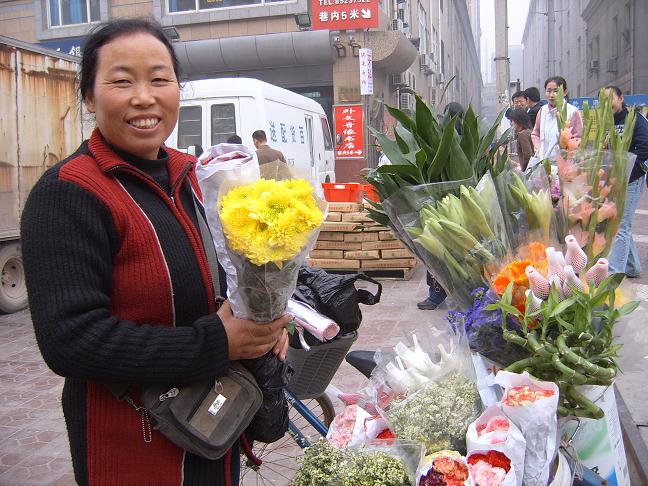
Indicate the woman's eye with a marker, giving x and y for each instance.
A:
(160, 81)
(121, 81)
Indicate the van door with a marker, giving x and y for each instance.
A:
(311, 151)
(223, 120)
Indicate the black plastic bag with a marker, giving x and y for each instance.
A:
(335, 296)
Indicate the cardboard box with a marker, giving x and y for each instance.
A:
(362, 255)
(382, 245)
(375, 227)
(330, 236)
(337, 217)
(333, 226)
(394, 263)
(345, 207)
(334, 263)
(357, 217)
(326, 254)
(337, 245)
(360, 236)
(385, 235)
(400, 253)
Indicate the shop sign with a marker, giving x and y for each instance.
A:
(366, 71)
(349, 132)
(344, 14)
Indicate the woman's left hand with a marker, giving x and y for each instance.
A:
(281, 347)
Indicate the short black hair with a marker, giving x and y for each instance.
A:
(559, 80)
(234, 139)
(533, 94)
(616, 89)
(521, 117)
(519, 94)
(259, 135)
(107, 32)
(454, 108)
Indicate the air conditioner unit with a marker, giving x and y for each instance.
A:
(423, 61)
(594, 65)
(441, 78)
(397, 24)
(611, 66)
(406, 102)
(400, 80)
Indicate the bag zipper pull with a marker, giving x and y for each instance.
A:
(218, 386)
(173, 392)
(144, 416)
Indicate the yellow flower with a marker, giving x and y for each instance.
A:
(268, 220)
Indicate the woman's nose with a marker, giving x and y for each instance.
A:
(143, 95)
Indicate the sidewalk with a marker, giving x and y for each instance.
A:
(33, 441)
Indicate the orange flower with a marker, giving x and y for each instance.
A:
(607, 210)
(514, 272)
(604, 191)
(599, 243)
(536, 252)
(565, 136)
(583, 214)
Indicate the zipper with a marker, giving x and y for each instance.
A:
(199, 402)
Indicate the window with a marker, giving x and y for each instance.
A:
(441, 5)
(71, 12)
(328, 143)
(190, 126)
(442, 57)
(422, 29)
(223, 122)
(176, 6)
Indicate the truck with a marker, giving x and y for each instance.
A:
(40, 124)
(212, 110)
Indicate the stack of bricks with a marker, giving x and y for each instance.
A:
(350, 240)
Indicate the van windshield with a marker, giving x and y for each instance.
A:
(328, 143)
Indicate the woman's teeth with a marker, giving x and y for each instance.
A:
(145, 123)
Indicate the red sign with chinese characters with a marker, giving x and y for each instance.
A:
(349, 132)
(344, 14)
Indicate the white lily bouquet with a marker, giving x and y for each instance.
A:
(263, 221)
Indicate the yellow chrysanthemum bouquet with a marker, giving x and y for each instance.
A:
(264, 222)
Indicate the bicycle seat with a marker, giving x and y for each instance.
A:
(363, 361)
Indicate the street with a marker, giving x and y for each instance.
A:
(33, 442)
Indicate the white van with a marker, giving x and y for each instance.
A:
(212, 110)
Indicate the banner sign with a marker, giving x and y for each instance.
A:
(344, 14)
(366, 71)
(349, 132)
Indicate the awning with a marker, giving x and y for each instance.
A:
(392, 51)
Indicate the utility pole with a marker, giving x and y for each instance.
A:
(551, 39)
(501, 54)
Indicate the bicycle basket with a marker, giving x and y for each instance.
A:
(314, 369)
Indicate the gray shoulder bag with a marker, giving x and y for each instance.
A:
(204, 418)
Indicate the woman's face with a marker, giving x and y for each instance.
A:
(516, 126)
(136, 96)
(617, 101)
(551, 91)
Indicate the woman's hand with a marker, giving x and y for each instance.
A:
(249, 339)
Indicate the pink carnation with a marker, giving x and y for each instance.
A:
(486, 475)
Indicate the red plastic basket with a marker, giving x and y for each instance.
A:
(343, 192)
(370, 193)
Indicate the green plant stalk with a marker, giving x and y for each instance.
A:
(590, 408)
(573, 358)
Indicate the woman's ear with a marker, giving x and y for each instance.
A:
(89, 102)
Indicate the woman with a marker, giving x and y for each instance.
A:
(545, 132)
(522, 126)
(119, 286)
(624, 257)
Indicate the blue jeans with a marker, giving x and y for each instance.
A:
(435, 292)
(624, 257)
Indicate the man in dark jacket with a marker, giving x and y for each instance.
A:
(534, 105)
(264, 152)
(624, 257)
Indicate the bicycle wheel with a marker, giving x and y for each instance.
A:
(279, 458)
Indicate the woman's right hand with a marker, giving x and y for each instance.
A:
(249, 339)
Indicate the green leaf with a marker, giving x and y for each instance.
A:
(566, 325)
(400, 116)
(441, 158)
(427, 126)
(562, 307)
(628, 308)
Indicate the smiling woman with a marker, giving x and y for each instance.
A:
(119, 285)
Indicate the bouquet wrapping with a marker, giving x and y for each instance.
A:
(263, 223)
(532, 405)
(455, 228)
(489, 467)
(494, 431)
(354, 426)
(444, 468)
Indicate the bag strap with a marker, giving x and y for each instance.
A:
(366, 297)
(210, 251)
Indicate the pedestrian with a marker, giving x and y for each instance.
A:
(624, 257)
(234, 139)
(382, 158)
(545, 131)
(119, 286)
(436, 293)
(522, 127)
(519, 100)
(533, 103)
(264, 152)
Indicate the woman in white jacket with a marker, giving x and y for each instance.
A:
(545, 132)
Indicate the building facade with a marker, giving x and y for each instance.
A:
(616, 45)
(554, 42)
(418, 46)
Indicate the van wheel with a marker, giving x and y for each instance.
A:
(13, 290)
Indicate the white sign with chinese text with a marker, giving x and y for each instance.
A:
(366, 71)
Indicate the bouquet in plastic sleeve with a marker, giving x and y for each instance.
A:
(309, 320)
(354, 426)
(435, 397)
(532, 405)
(489, 467)
(456, 229)
(263, 222)
(494, 431)
(444, 468)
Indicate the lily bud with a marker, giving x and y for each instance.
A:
(575, 255)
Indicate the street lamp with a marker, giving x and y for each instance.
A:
(303, 21)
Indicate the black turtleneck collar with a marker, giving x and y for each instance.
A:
(157, 168)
